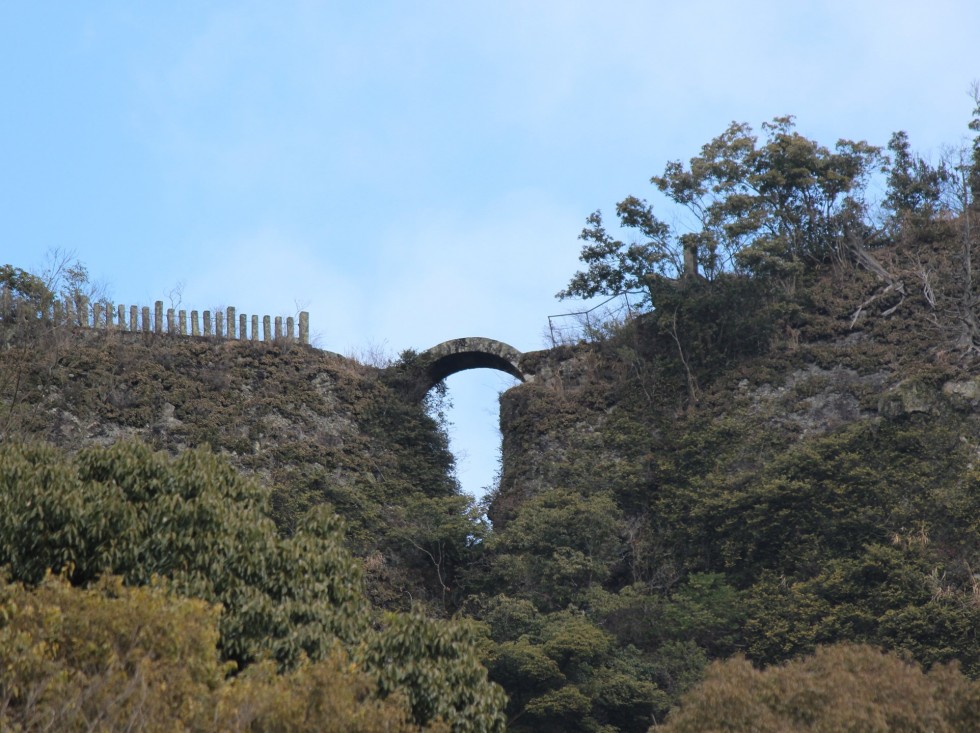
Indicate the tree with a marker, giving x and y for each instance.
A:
(915, 188)
(192, 520)
(790, 199)
(765, 210)
(841, 688)
(561, 543)
(438, 538)
(23, 289)
(68, 279)
(616, 267)
(116, 658)
(195, 525)
(974, 174)
(565, 672)
(436, 666)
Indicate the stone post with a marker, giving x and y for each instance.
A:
(290, 328)
(255, 328)
(231, 322)
(158, 317)
(195, 330)
(121, 320)
(690, 259)
(170, 322)
(242, 323)
(304, 327)
(82, 314)
(219, 323)
(182, 320)
(109, 312)
(133, 318)
(278, 328)
(207, 323)
(146, 319)
(97, 315)
(266, 329)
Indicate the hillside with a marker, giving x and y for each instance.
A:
(818, 482)
(772, 457)
(310, 425)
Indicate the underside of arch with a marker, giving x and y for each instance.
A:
(451, 364)
(452, 357)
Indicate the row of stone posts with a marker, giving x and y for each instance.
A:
(222, 324)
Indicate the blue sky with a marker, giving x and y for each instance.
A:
(414, 172)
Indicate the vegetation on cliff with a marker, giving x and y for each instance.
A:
(783, 446)
(194, 527)
(115, 657)
(774, 462)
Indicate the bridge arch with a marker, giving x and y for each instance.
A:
(457, 355)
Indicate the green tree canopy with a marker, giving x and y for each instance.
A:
(561, 543)
(192, 520)
(195, 524)
(24, 286)
(764, 209)
(915, 188)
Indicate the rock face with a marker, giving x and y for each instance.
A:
(814, 401)
(311, 426)
(279, 411)
(599, 414)
(964, 394)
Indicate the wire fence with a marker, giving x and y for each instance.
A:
(594, 323)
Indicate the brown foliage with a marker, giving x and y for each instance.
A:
(114, 658)
(841, 688)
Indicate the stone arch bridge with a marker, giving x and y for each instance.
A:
(451, 357)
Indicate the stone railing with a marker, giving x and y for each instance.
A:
(220, 324)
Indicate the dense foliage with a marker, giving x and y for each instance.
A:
(193, 520)
(765, 209)
(196, 526)
(117, 658)
(840, 688)
(783, 446)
